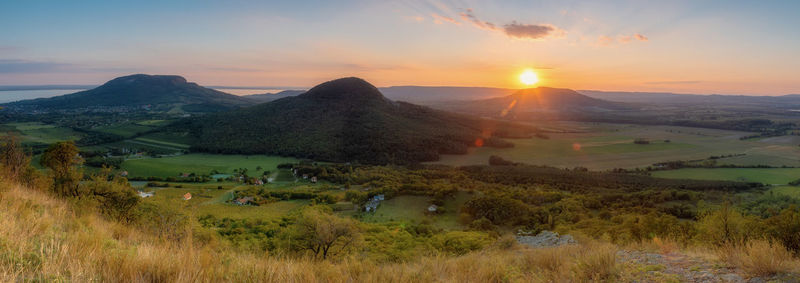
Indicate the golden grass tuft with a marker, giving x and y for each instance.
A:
(759, 258)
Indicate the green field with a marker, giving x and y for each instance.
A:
(770, 176)
(599, 146)
(207, 200)
(411, 209)
(125, 130)
(791, 191)
(34, 132)
(201, 164)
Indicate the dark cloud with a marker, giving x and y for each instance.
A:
(518, 30)
(514, 29)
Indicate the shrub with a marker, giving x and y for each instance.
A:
(460, 242)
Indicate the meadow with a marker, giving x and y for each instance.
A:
(600, 146)
(39, 133)
(200, 163)
(770, 176)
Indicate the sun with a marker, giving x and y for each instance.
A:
(528, 77)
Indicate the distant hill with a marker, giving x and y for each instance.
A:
(345, 120)
(136, 91)
(414, 94)
(428, 94)
(267, 97)
(541, 100)
(666, 98)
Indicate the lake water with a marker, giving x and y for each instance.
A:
(15, 95)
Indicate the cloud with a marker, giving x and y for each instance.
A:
(16, 66)
(513, 29)
(24, 66)
(518, 30)
(673, 82)
(605, 40)
(439, 19)
(470, 17)
(235, 69)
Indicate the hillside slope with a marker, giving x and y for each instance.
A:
(139, 91)
(346, 120)
(541, 100)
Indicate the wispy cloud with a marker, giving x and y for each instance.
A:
(439, 19)
(469, 16)
(605, 40)
(17, 66)
(25, 66)
(673, 82)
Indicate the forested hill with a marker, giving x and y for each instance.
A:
(136, 91)
(345, 120)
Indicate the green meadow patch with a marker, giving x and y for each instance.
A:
(762, 175)
(202, 164)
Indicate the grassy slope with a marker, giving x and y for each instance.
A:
(43, 239)
(201, 164)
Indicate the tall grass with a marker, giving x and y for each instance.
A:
(759, 258)
(43, 238)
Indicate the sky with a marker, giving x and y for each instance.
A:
(727, 47)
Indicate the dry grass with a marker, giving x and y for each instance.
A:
(43, 239)
(759, 258)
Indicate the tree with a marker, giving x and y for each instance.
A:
(115, 197)
(323, 233)
(62, 158)
(13, 158)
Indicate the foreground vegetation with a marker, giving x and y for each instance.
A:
(66, 224)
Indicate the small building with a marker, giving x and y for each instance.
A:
(185, 175)
(123, 173)
(270, 180)
(259, 182)
(143, 194)
(243, 201)
(433, 208)
(187, 196)
(305, 176)
(314, 179)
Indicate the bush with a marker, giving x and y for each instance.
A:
(460, 242)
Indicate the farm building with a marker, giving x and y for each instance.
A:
(243, 201)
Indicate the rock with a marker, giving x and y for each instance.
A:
(731, 277)
(546, 239)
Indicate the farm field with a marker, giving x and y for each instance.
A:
(125, 130)
(39, 133)
(770, 176)
(201, 164)
(600, 146)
